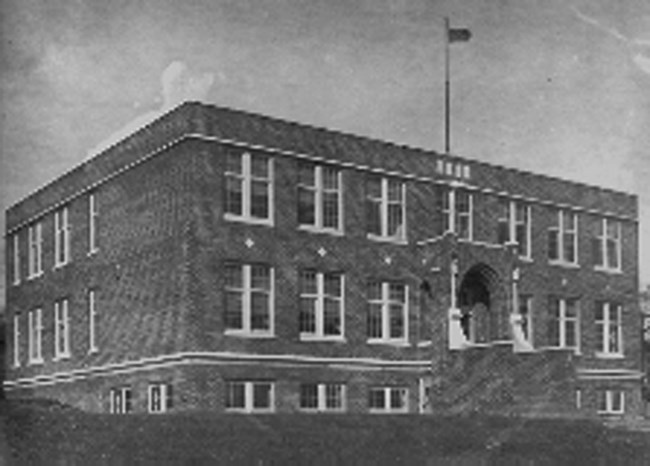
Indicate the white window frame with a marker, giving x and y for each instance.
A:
(319, 299)
(562, 230)
(121, 404)
(388, 408)
(528, 300)
(512, 223)
(246, 296)
(385, 303)
(35, 250)
(321, 397)
(61, 237)
(16, 340)
(163, 398)
(604, 347)
(61, 329)
(383, 201)
(604, 238)
(16, 257)
(562, 321)
(92, 322)
(610, 405)
(35, 336)
(246, 178)
(249, 387)
(318, 189)
(93, 215)
(452, 213)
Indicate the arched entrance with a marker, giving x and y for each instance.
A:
(477, 299)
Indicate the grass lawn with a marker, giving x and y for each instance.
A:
(44, 433)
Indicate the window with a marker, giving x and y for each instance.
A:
(322, 397)
(526, 313)
(611, 401)
(250, 397)
(17, 340)
(387, 312)
(564, 323)
(93, 216)
(61, 330)
(35, 259)
(249, 299)
(319, 197)
(249, 187)
(321, 305)
(92, 322)
(563, 238)
(609, 336)
(514, 226)
(159, 397)
(120, 400)
(607, 245)
(455, 209)
(61, 237)
(35, 322)
(388, 400)
(16, 257)
(386, 208)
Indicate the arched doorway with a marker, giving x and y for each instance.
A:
(477, 297)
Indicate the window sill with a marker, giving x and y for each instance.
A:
(60, 265)
(93, 350)
(387, 239)
(396, 343)
(35, 362)
(245, 334)
(16, 283)
(601, 355)
(611, 413)
(325, 231)
(35, 276)
(599, 268)
(563, 264)
(526, 259)
(249, 220)
(387, 411)
(92, 252)
(322, 410)
(249, 411)
(575, 351)
(61, 357)
(308, 338)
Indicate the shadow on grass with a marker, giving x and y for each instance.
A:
(47, 433)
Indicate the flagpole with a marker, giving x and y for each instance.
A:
(447, 87)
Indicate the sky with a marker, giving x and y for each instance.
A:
(559, 87)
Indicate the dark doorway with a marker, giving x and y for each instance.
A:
(475, 299)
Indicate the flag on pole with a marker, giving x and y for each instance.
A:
(458, 35)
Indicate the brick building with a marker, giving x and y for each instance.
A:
(227, 261)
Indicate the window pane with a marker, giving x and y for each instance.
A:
(553, 244)
(373, 212)
(395, 191)
(612, 254)
(259, 166)
(259, 311)
(309, 396)
(260, 277)
(234, 196)
(571, 308)
(396, 321)
(570, 335)
(462, 226)
(330, 178)
(503, 232)
(374, 290)
(332, 284)
(397, 398)
(333, 396)
(397, 292)
(374, 321)
(373, 187)
(330, 210)
(308, 284)
(395, 221)
(234, 310)
(259, 199)
(332, 317)
(261, 395)
(233, 274)
(462, 202)
(236, 395)
(307, 315)
(569, 247)
(306, 174)
(306, 207)
(376, 399)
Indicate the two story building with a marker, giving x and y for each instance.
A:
(220, 260)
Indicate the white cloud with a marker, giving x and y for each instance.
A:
(178, 85)
(642, 62)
